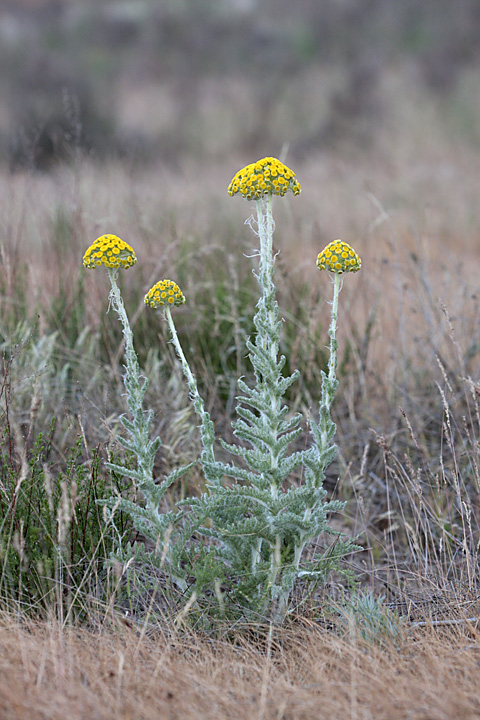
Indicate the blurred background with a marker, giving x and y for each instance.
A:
(132, 116)
(169, 79)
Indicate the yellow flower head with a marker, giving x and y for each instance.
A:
(338, 257)
(263, 177)
(165, 292)
(110, 251)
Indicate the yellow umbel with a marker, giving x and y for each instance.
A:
(110, 251)
(264, 177)
(165, 292)
(338, 257)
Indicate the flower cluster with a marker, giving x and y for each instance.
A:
(263, 177)
(165, 292)
(338, 257)
(110, 251)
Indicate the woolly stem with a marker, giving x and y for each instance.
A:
(330, 382)
(117, 303)
(267, 304)
(265, 233)
(135, 391)
(332, 363)
(268, 341)
(207, 429)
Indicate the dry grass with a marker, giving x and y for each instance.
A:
(304, 673)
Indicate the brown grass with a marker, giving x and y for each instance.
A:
(304, 673)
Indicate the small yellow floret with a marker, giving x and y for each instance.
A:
(110, 251)
(164, 291)
(338, 257)
(255, 180)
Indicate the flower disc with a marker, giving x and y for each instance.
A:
(165, 292)
(110, 251)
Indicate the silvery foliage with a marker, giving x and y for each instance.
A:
(260, 521)
(242, 544)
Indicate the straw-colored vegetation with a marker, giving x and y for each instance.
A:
(305, 672)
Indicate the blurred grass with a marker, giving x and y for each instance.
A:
(198, 79)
